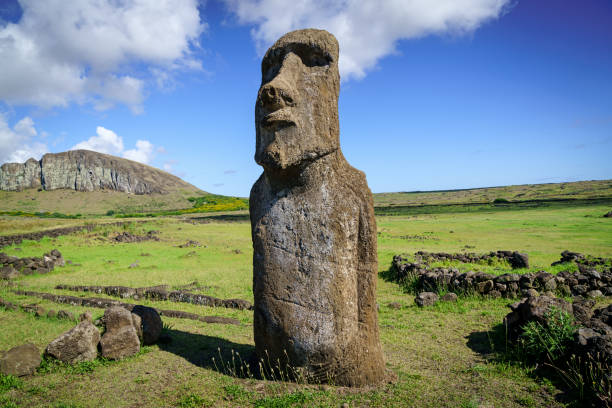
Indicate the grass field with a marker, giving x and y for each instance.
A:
(444, 356)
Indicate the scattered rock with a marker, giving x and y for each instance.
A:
(120, 339)
(608, 214)
(394, 305)
(65, 314)
(449, 297)
(126, 237)
(85, 316)
(190, 244)
(77, 344)
(8, 272)
(133, 265)
(150, 325)
(20, 360)
(52, 313)
(426, 299)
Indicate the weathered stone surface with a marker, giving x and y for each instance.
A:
(426, 299)
(84, 170)
(313, 226)
(8, 272)
(533, 308)
(18, 176)
(20, 360)
(65, 314)
(121, 338)
(77, 344)
(450, 297)
(149, 326)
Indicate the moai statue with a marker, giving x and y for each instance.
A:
(312, 222)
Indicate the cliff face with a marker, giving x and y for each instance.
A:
(84, 170)
(17, 176)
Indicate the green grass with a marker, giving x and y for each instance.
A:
(441, 355)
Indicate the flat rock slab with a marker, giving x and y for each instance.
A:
(77, 344)
(20, 360)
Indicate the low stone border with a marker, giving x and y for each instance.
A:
(106, 303)
(6, 240)
(161, 293)
(587, 282)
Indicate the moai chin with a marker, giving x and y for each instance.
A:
(312, 223)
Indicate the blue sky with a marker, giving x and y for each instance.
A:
(435, 95)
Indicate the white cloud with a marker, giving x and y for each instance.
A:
(18, 144)
(142, 153)
(86, 51)
(366, 30)
(107, 141)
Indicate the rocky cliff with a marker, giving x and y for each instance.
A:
(84, 170)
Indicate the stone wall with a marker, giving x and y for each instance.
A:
(588, 281)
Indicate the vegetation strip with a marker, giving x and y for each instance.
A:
(106, 303)
(161, 293)
(7, 240)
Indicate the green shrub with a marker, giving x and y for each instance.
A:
(547, 342)
(501, 201)
(110, 213)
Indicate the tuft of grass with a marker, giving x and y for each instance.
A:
(547, 342)
(9, 382)
(294, 399)
(192, 401)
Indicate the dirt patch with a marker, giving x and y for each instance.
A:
(106, 303)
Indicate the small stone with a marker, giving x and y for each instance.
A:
(20, 360)
(449, 297)
(52, 313)
(86, 316)
(426, 299)
(594, 294)
(40, 311)
(394, 305)
(133, 265)
(530, 293)
(8, 272)
(65, 314)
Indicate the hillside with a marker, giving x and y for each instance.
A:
(583, 190)
(84, 170)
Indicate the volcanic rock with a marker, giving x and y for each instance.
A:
(313, 226)
(20, 360)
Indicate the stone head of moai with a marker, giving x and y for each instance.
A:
(296, 113)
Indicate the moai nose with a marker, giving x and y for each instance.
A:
(274, 96)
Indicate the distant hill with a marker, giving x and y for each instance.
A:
(86, 182)
(85, 170)
(583, 190)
